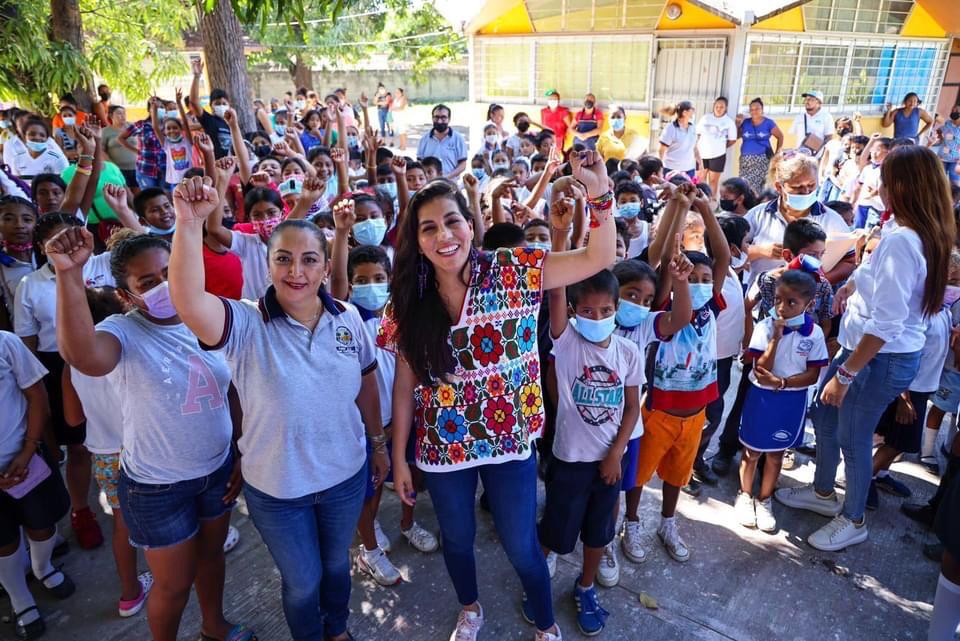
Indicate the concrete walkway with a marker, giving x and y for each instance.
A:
(739, 584)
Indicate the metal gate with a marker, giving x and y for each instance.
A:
(686, 69)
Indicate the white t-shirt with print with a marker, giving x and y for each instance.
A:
(714, 135)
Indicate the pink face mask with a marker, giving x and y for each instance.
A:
(264, 228)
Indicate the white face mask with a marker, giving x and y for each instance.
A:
(491, 139)
(220, 110)
(553, 104)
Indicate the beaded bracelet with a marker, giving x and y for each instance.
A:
(85, 157)
(600, 209)
(86, 171)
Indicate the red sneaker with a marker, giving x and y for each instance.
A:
(86, 528)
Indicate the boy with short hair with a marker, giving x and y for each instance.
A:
(630, 209)
(432, 167)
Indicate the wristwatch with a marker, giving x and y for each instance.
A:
(844, 377)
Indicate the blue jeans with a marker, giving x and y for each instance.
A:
(828, 191)
(849, 428)
(145, 181)
(512, 491)
(382, 117)
(309, 539)
(951, 169)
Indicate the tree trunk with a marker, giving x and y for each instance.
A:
(226, 63)
(301, 73)
(66, 26)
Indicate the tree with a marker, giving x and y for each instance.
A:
(226, 62)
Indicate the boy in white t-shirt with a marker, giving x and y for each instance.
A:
(866, 191)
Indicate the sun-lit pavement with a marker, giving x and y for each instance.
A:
(739, 584)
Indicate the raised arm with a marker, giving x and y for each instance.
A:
(344, 216)
(89, 351)
(502, 190)
(399, 167)
(197, 67)
(339, 158)
(73, 199)
(553, 165)
(719, 246)
(205, 145)
(888, 117)
(678, 269)
(472, 186)
(561, 221)
(194, 200)
(310, 192)
(116, 197)
(669, 223)
(564, 268)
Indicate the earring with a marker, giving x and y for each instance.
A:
(423, 272)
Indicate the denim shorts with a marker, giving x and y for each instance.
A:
(579, 505)
(160, 516)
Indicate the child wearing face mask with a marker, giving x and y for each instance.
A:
(629, 197)
(491, 144)
(788, 349)
(176, 141)
(866, 192)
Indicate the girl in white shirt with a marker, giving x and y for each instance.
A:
(882, 335)
(36, 154)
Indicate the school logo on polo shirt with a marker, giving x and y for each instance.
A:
(345, 342)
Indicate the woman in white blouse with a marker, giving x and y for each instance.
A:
(887, 301)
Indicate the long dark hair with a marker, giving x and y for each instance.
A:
(918, 194)
(423, 322)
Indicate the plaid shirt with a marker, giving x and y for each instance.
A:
(767, 285)
(151, 161)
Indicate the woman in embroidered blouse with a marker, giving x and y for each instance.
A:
(465, 325)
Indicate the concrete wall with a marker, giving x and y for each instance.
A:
(443, 84)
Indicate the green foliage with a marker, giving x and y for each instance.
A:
(412, 32)
(130, 44)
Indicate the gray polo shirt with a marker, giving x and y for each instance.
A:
(451, 150)
(302, 429)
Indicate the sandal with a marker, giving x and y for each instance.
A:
(233, 538)
(237, 633)
(32, 630)
(66, 588)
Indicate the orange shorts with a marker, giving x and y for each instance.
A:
(669, 446)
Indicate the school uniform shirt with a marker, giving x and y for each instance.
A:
(681, 144)
(685, 367)
(386, 366)
(219, 132)
(870, 179)
(730, 320)
(35, 307)
(12, 271)
(179, 160)
(223, 273)
(173, 400)
(642, 336)
(590, 387)
(101, 400)
(767, 225)
(936, 350)
(798, 350)
(819, 124)
(252, 252)
(302, 429)
(490, 410)
(888, 301)
(766, 287)
(21, 163)
(19, 369)
(714, 135)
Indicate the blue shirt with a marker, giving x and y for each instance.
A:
(906, 126)
(451, 150)
(756, 138)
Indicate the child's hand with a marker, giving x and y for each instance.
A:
(561, 215)
(338, 156)
(364, 101)
(589, 169)
(178, 92)
(680, 266)
(282, 149)
(311, 190)
(906, 412)
(70, 249)
(194, 200)
(197, 66)
(399, 167)
(778, 327)
(204, 143)
(344, 214)
(225, 167)
(766, 377)
(504, 189)
(116, 196)
(610, 469)
(85, 140)
(470, 184)
(521, 213)
(260, 179)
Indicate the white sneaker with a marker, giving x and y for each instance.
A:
(382, 541)
(468, 625)
(552, 563)
(745, 510)
(377, 565)
(632, 541)
(670, 537)
(838, 534)
(421, 539)
(806, 498)
(547, 636)
(233, 538)
(766, 521)
(608, 575)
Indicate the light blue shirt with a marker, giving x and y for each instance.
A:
(451, 150)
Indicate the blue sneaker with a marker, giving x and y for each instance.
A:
(893, 486)
(873, 499)
(526, 609)
(590, 616)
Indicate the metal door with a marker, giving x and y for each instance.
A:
(686, 69)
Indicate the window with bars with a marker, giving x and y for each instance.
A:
(551, 16)
(860, 74)
(616, 69)
(857, 16)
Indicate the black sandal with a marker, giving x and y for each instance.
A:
(32, 630)
(62, 591)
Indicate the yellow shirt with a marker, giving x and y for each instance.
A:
(610, 146)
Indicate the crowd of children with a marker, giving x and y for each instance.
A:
(157, 332)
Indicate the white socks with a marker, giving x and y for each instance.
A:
(40, 554)
(946, 611)
(14, 581)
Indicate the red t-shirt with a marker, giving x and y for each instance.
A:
(555, 120)
(224, 273)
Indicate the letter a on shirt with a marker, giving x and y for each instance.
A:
(201, 385)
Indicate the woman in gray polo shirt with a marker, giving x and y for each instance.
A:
(291, 352)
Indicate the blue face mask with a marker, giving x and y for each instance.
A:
(617, 123)
(801, 202)
(389, 188)
(156, 231)
(353, 141)
(370, 231)
(793, 323)
(479, 173)
(630, 314)
(596, 331)
(544, 246)
(628, 210)
(280, 130)
(700, 294)
(161, 114)
(175, 139)
(38, 147)
(371, 297)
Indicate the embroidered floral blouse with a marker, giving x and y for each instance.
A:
(491, 409)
